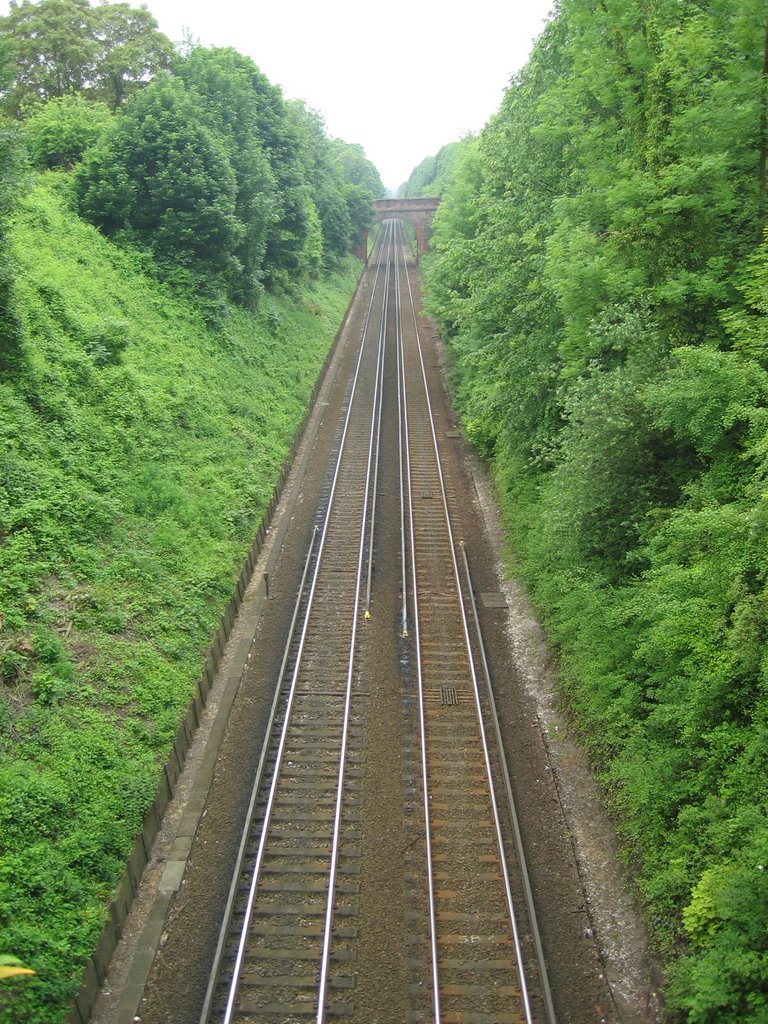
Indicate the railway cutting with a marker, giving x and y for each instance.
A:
(288, 946)
(361, 855)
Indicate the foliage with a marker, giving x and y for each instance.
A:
(66, 47)
(139, 451)
(59, 132)
(357, 168)
(362, 185)
(231, 93)
(130, 51)
(435, 173)
(10, 179)
(599, 269)
(229, 187)
(325, 179)
(304, 199)
(52, 50)
(359, 203)
(161, 178)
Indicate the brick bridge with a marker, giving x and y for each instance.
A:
(416, 212)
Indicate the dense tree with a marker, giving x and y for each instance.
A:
(52, 48)
(61, 47)
(598, 267)
(7, 69)
(162, 178)
(434, 173)
(252, 114)
(302, 201)
(130, 52)
(59, 132)
(360, 211)
(357, 168)
(325, 179)
(148, 180)
(231, 90)
(362, 186)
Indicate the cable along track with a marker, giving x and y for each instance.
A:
(288, 944)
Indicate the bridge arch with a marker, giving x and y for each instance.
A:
(416, 212)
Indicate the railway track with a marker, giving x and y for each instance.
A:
(294, 937)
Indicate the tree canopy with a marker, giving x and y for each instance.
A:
(160, 177)
(204, 163)
(130, 50)
(57, 48)
(600, 268)
(237, 103)
(58, 133)
(434, 173)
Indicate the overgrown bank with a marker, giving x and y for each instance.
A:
(139, 448)
(600, 270)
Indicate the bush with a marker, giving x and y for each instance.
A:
(58, 133)
(161, 179)
(135, 464)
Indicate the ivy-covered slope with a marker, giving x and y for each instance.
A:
(601, 267)
(138, 449)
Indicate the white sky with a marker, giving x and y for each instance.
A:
(402, 78)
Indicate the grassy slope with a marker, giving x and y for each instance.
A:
(138, 449)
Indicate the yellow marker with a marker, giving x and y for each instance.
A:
(10, 967)
(367, 614)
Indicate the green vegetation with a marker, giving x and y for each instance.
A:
(155, 360)
(435, 173)
(10, 176)
(161, 180)
(214, 174)
(600, 269)
(139, 450)
(65, 47)
(203, 163)
(58, 133)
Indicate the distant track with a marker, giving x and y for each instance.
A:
(289, 942)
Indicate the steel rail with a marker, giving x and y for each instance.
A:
(256, 871)
(473, 672)
(369, 497)
(380, 388)
(419, 672)
(400, 448)
(534, 924)
(251, 812)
